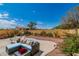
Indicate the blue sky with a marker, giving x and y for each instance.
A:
(20, 14)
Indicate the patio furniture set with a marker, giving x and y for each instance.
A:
(24, 47)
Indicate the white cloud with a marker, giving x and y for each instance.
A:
(1, 4)
(7, 24)
(40, 25)
(6, 21)
(4, 15)
(0, 15)
(44, 26)
(20, 25)
(13, 21)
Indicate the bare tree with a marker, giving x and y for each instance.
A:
(32, 25)
(72, 19)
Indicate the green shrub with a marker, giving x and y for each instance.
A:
(70, 46)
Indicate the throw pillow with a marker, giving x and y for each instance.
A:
(22, 50)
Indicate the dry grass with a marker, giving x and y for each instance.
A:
(56, 32)
(7, 33)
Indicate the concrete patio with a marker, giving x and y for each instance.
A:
(45, 47)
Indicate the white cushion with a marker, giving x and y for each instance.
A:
(13, 45)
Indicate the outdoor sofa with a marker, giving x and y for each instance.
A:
(31, 48)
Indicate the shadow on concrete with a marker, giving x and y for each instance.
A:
(38, 53)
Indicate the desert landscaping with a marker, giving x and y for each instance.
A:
(50, 30)
(47, 47)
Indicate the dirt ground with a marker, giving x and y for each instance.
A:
(55, 52)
